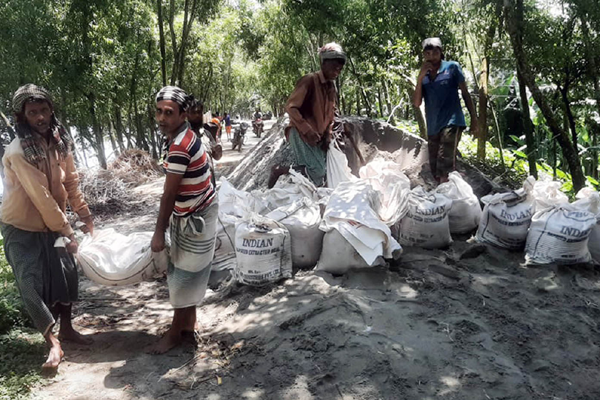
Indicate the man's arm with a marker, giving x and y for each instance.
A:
(76, 200)
(418, 95)
(470, 106)
(293, 106)
(167, 204)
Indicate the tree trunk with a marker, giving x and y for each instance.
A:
(388, 102)
(483, 105)
(380, 101)
(410, 85)
(82, 129)
(591, 54)
(98, 135)
(118, 124)
(153, 140)
(568, 112)
(163, 53)
(513, 10)
(528, 127)
(113, 144)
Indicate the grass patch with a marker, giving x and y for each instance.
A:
(22, 349)
(22, 352)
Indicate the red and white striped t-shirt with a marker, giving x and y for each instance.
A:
(187, 156)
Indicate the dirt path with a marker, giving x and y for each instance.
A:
(470, 322)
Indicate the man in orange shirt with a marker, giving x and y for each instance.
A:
(40, 178)
(311, 108)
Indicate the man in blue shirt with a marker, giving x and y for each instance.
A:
(438, 83)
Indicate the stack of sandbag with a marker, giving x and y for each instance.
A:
(465, 215)
(425, 222)
(302, 219)
(386, 178)
(507, 216)
(112, 259)
(559, 231)
(589, 200)
(263, 251)
(352, 223)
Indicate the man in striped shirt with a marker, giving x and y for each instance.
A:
(189, 209)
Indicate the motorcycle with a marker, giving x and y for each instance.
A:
(257, 126)
(239, 136)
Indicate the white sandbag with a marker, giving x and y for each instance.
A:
(263, 251)
(547, 194)
(233, 206)
(506, 217)
(353, 209)
(287, 190)
(386, 178)
(339, 256)
(589, 200)
(465, 214)
(338, 170)
(302, 219)
(112, 259)
(559, 235)
(425, 222)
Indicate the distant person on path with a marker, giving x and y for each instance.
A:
(217, 121)
(227, 120)
(40, 178)
(438, 83)
(214, 149)
(188, 207)
(311, 108)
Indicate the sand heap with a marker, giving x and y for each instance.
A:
(373, 138)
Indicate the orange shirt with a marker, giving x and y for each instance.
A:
(35, 198)
(311, 106)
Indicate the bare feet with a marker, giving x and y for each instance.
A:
(170, 339)
(71, 335)
(54, 358)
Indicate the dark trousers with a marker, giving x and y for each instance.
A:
(442, 151)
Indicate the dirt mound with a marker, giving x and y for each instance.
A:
(373, 138)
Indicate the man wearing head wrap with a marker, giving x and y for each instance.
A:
(438, 83)
(188, 208)
(311, 108)
(195, 116)
(40, 178)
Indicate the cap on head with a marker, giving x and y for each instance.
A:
(30, 92)
(332, 51)
(175, 94)
(433, 42)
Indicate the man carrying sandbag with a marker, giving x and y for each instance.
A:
(40, 177)
(188, 206)
(311, 108)
(438, 83)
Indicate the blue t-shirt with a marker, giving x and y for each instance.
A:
(442, 105)
(227, 121)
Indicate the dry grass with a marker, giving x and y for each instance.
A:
(109, 191)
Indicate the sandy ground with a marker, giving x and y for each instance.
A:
(467, 322)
